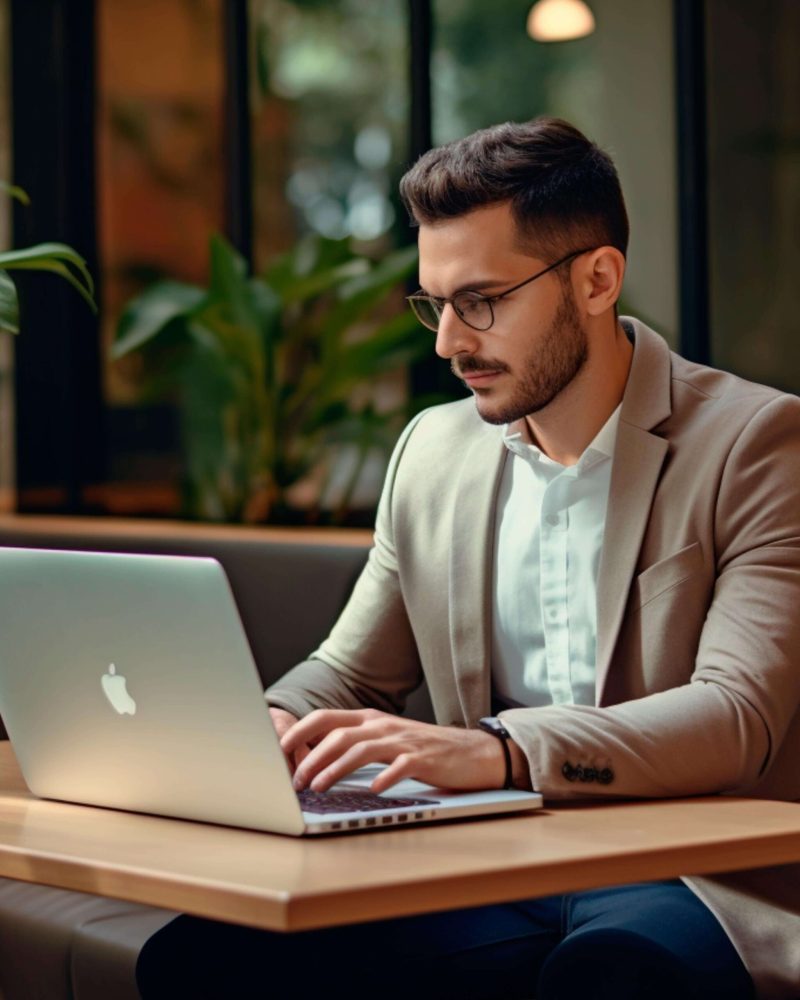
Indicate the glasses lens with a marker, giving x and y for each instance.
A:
(426, 312)
(474, 309)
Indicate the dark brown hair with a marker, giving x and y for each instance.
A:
(563, 189)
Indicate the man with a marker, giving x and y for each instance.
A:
(602, 546)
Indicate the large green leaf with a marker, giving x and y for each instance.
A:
(15, 192)
(395, 343)
(393, 268)
(320, 253)
(57, 258)
(315, 265)
(239, 344)
(9, 305)
(151, 311)
(364, 293)
(398, 341)
(228, 279)
(268, 309)
(206, 394)
(225, 428)
(306, 287)
(235, 311)
(310, 255)
(239, 356)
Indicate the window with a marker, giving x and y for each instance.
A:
(330, 120)
(161, 187)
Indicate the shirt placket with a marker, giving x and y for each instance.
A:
(554, 567)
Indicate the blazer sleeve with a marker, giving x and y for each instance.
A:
(370, 658)
(721, 730)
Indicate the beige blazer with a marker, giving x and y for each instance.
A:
(698, 618)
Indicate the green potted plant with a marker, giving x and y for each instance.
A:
(269, 371)
(58, 258)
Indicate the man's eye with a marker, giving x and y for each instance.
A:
(471, 305)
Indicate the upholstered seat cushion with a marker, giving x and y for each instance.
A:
(62, 945)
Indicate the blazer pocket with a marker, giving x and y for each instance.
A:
(666, 574)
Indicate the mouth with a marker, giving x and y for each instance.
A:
(479, 379)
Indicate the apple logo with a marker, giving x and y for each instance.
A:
(116, 692)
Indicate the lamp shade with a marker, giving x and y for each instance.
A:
(560, 20)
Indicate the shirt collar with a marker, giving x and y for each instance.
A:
(517, 438)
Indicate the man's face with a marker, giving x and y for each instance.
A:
(537, 344)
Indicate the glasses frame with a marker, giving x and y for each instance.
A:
(438, 303)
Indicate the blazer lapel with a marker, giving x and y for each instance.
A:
(638, 458)
(471, 571)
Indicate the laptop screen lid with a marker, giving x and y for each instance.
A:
(127, 681)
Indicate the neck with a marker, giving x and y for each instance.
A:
(565, 427)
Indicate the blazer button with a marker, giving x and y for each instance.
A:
(569, 772)
(606, 776)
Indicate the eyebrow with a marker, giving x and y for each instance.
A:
(472, 286)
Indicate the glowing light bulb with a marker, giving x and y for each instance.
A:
(560, 20)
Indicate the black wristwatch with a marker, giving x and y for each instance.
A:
(492, 725)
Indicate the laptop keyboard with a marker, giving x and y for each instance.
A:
(353, 801)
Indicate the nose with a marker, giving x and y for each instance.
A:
(454, 336)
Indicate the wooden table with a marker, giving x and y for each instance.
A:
(283, 883)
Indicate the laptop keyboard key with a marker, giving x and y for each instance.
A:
(354, 801)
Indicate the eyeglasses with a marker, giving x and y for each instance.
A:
(473, 308)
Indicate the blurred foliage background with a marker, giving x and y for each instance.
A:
(273, 375)
(330, 111)
(207, 356)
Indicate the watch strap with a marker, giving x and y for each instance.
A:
(493, 725)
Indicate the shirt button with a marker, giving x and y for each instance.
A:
(553, 520)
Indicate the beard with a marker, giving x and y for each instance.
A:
(552, 364)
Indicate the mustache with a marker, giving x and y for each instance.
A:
(468, 365)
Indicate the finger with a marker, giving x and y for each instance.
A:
(297, 758)
(291, 760)
(301, 753)
(357, 756)
(406, 765)
(332, 747)
(318, 724)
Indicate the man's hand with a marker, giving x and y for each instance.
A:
(283, 722)
(342, 741)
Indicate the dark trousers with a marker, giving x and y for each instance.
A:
(651, 941)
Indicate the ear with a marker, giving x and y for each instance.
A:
(599, 279)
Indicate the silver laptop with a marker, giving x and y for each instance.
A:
(127, 681)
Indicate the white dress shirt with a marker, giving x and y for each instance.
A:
(549, 528)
